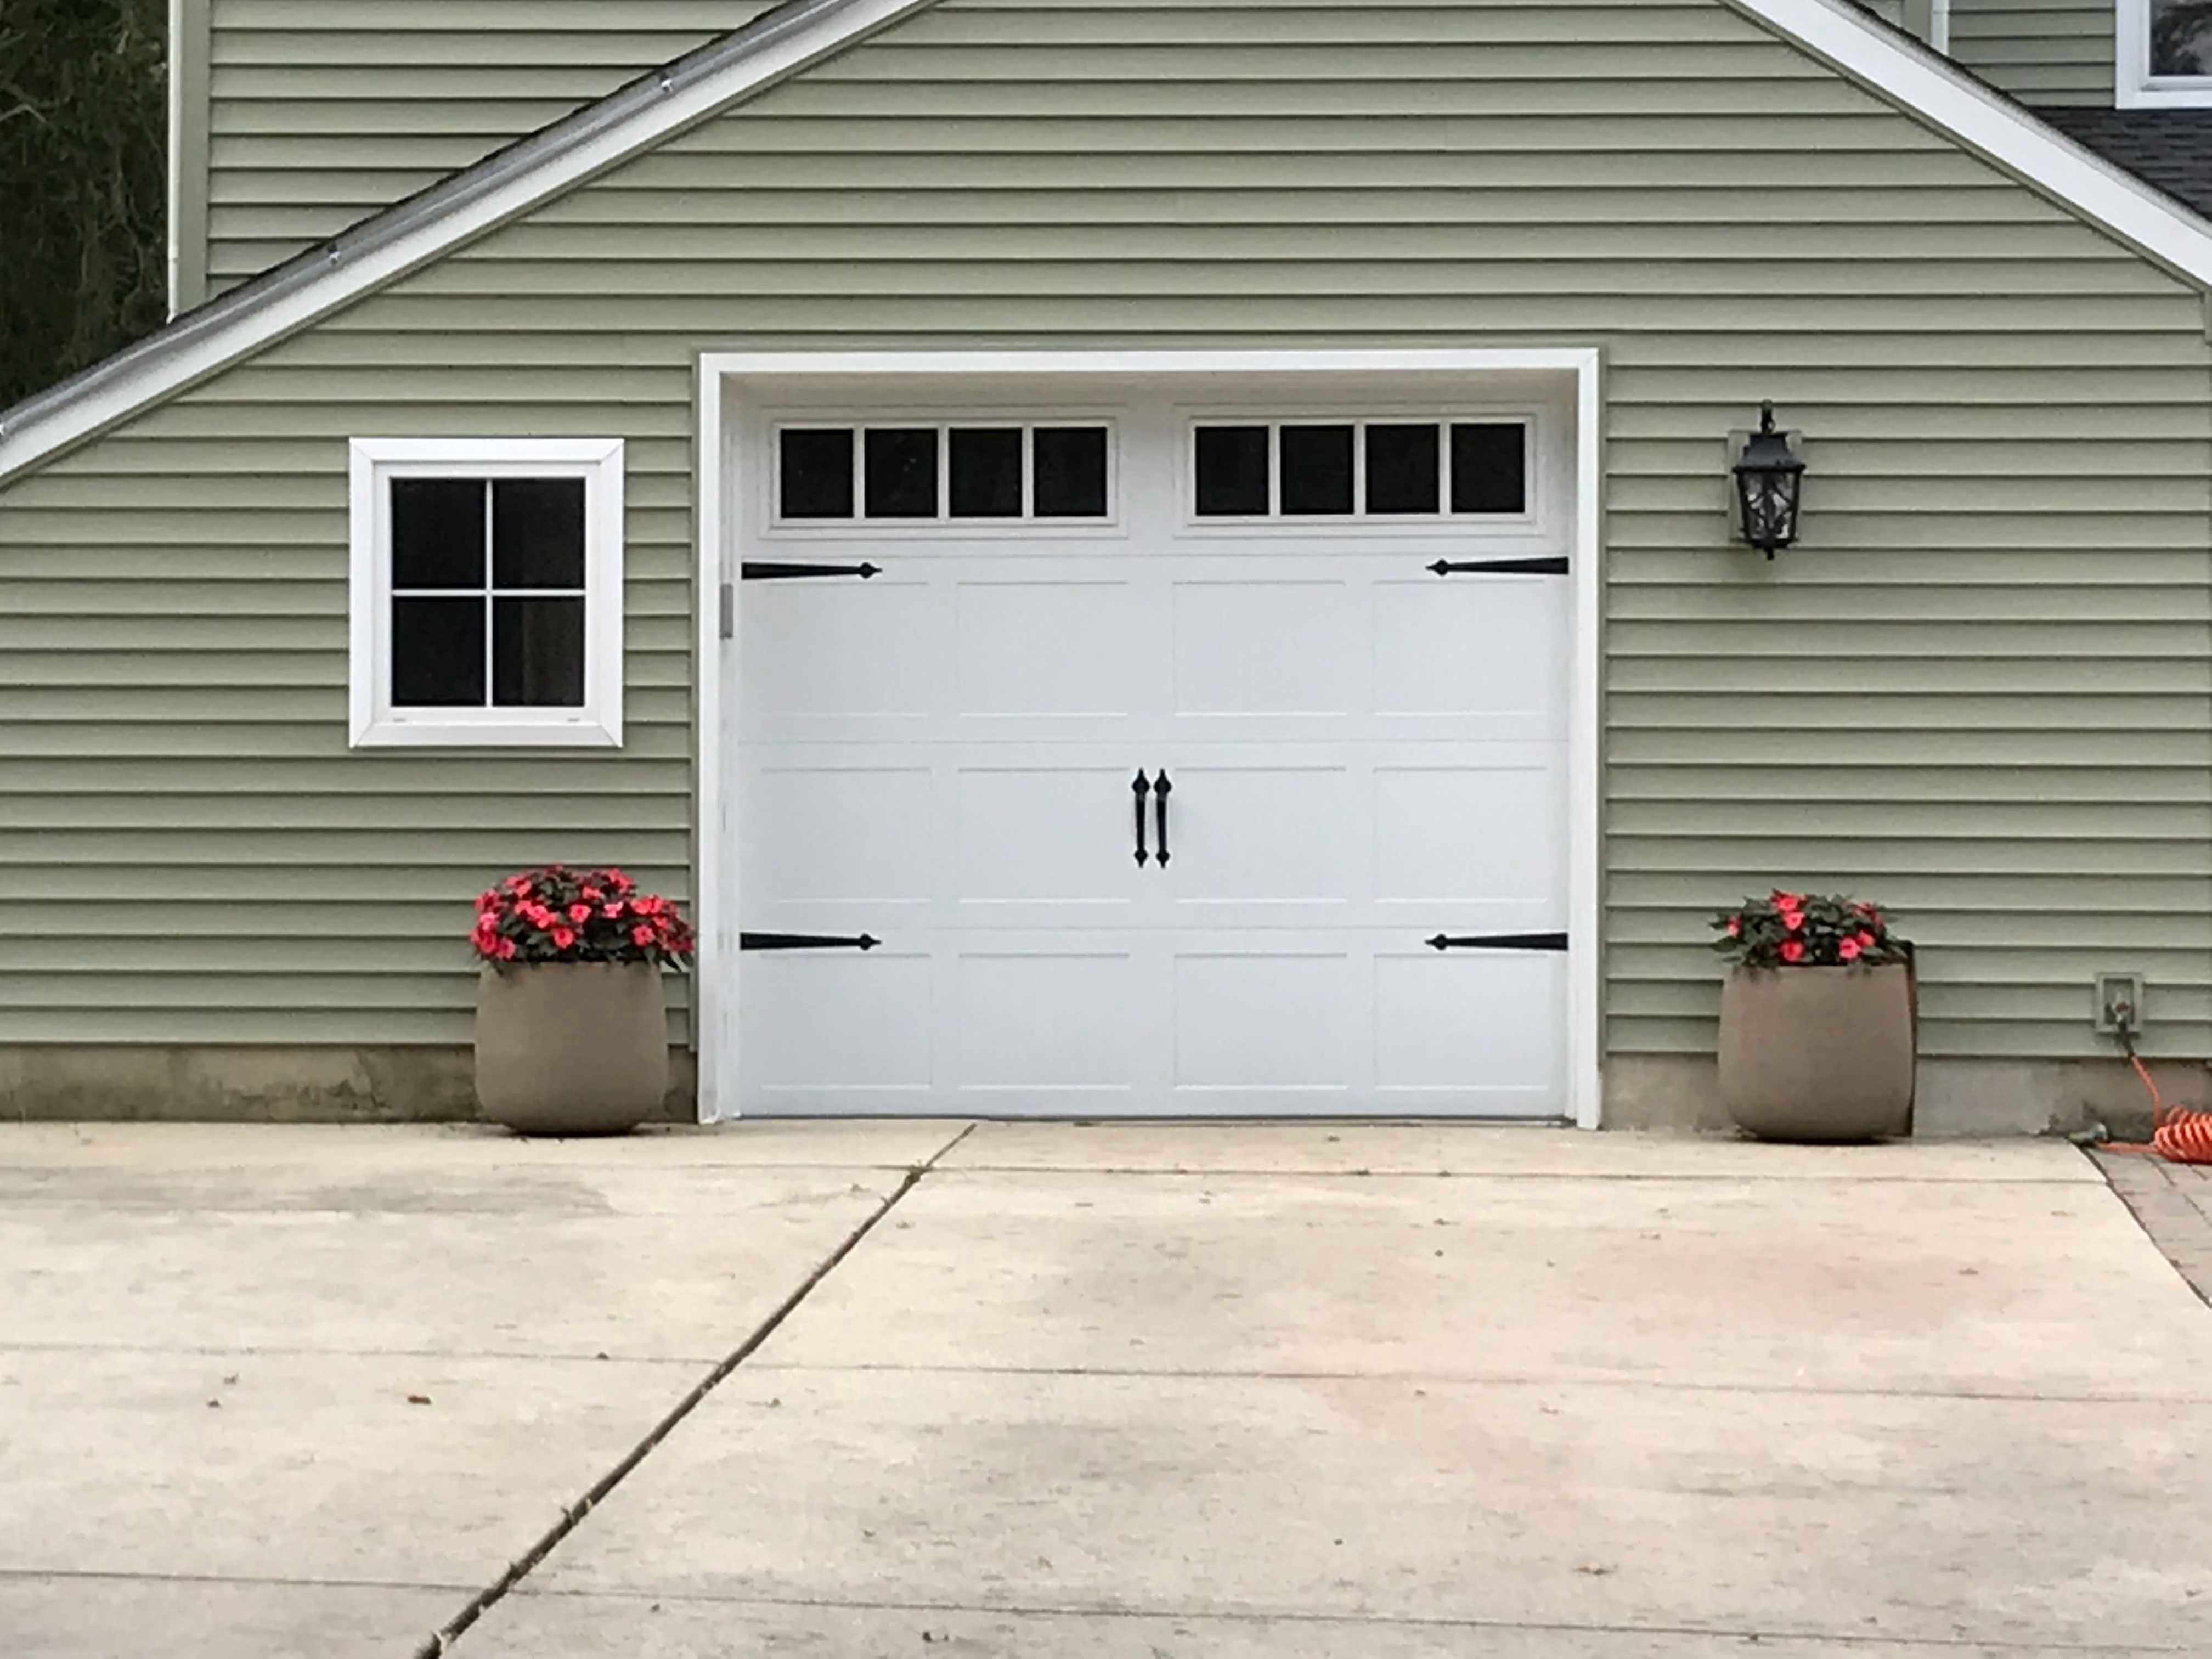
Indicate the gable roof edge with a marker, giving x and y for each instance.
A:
(1926, 83)
(411, 233)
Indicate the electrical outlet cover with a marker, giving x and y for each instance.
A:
(2113, 988)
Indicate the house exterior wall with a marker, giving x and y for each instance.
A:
(2041, 52)
(1980, 691)
(319, 113)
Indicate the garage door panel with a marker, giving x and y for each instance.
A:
(1037, 651)
(1486, 829)
(847, 653)
(1262, 833)
(1258, 1022)
(1266, 646)
(1038, 1020)
(836, 1031)
(1471, 648)
(822, 829)
(1366, 755)
(1469, 1031)
(1043, 833)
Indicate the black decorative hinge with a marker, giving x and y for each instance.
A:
(805, 942)
(1499, 942)
(801, 572)
(1500, 568)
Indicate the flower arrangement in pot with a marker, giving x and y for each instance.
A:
(1817, 1019)
(572, 1035)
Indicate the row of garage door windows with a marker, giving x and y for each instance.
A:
(1394, 469)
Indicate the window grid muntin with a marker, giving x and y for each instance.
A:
(486, 596)
(1359, 423)
(1027, 425)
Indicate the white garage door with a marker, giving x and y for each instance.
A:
(1127, 757)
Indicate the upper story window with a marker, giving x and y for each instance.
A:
(2164, 53)
(486, 592)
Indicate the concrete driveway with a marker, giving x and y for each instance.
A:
(1131, 1391)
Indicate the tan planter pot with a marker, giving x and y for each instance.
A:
(571, 1049)
(1818, 1053)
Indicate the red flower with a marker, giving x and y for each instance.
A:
(579, 913)
(539, 916)
(487, 903)
(611, 910)
(1793, 920)
(640, 937)
(1787, 901)
(1792, 950)
(518, 885)
(563, 938)
(1867, 941)
(1849, 950)
(590, 893)
(504, 950)
(651, 905)
(621, 883)
(1735, 927)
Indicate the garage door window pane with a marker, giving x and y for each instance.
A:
(1071, 472)
(1403, 469)
(1232, 464)
(1489, 467)
(538, 533)
(1317, 469)
(901, 472)
(438, 533)
(438, 654)
(815, 473)
(986, 465)
(537, 653)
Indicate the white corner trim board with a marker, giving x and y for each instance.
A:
(715, 901)
(477, 199)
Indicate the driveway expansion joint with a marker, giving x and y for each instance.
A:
(442, 1640)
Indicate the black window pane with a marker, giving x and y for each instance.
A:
(1317, 469)
(987, 472)
(1071, 472)
(438, 654)
(901, 472)
(1489, 467)
(538, 533)
(537, 653)
(437, 532)
(1232, 471)
(1402, 469)
(816, 473)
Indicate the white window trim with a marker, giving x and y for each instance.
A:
(2134, 86)
(375, 724)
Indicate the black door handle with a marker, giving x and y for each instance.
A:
(1140, 789)
(1160, 793)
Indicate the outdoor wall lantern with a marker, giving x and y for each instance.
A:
(1770, 480)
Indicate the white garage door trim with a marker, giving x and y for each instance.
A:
(714, 904)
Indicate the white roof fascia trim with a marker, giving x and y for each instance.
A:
(1991, 125)
(126, 384)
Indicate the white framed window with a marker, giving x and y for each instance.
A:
(486, 593)
(2163, 54)
(969, 474)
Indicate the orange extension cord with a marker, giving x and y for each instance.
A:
(2178, 1135)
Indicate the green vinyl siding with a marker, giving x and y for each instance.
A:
(321, 112)
(1981, 691)
(2041, 52)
